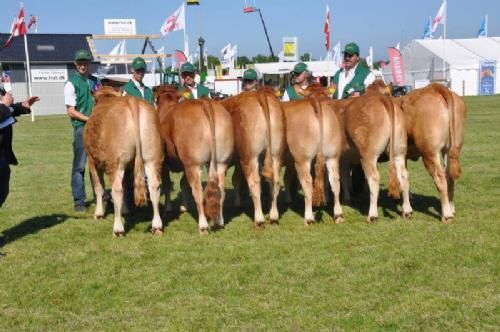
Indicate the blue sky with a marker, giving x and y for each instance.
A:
(369, 23)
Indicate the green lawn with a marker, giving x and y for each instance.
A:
(65, 271)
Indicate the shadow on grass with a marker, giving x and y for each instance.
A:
(31, 226)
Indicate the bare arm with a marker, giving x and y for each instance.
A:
(74, 114)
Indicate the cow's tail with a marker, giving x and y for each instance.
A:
(139, 183)
(394, 188)
(212, 194)
(319, 198)
(267, 169)
(454, 152)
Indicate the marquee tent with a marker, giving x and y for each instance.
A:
(423, 61)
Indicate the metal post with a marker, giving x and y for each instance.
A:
(201, 43)
(265, 31)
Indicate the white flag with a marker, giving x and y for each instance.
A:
(369, 58)
(439, 19)
(119, 49)
(176, 21)
(226, 51)
(337, 55)
(398, 46)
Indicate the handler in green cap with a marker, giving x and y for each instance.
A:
(352, 80)
(301, 82)
(194, 90)
(250, 80)
(79, 103)
(135, 86)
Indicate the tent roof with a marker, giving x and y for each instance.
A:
(463, 52)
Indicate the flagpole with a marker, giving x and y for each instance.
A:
(29, 72)
(186, 46)
(486, 28)
(444, 38)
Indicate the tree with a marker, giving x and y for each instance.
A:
(242, 61)
(305, 57)
(259, 58)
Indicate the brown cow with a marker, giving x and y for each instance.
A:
(122, 130)
(374, 124)
(435, 122)
(196, 132)
(259, 129)
(313, 130)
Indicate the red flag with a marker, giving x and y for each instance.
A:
(397, 66)
(18, 27)
(327, 28)
(33, 22)
(180, 59)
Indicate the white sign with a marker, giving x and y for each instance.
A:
(123, 26)
(49, 75)
(290, 49)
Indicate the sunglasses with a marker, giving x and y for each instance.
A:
(347, 55)
(186, 74)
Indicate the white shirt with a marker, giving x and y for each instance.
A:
(346, 78)
(69, 94)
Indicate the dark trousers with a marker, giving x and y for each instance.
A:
(4, 178)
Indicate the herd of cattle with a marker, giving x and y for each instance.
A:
(259, 134)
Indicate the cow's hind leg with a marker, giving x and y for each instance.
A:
(451, 185)
(165, 180)
(404, 183)
(152, 172)
(193, 175)
(332, 165)
(116, 179)
(98, 182)
(305, 178)
(433, 165)
(275, 190)
(221, 173)
(251, 170)
(373, 177)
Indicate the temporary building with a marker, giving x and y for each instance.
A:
(424, 61)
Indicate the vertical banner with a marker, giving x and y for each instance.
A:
(487, 74)
(180, 59)
(290, 49)
(397, 66)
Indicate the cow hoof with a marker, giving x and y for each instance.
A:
(156, 231)
(408, 215)
(217, 227)
(260, 225)
(308, 222)
(372, 219)
(203, 231)
(182, 209)
(339, 219)
(97, 217)
(447, 220)
(118, 233)
(274, 222)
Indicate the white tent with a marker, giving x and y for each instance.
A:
(423, 60)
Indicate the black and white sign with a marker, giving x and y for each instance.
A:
(49, 75)
(122, 26)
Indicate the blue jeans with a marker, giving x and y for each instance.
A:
(4, 178)
(78, 170)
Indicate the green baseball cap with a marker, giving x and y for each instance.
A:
(300, 68)
(139, 63)
(250, 74)
(83, 55)
(187, 68)
(351, 48)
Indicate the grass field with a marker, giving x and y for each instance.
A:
(63, 270)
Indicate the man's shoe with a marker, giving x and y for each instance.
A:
(79, 208)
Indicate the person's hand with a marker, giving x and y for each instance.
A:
(355, 94)
(28, 102)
